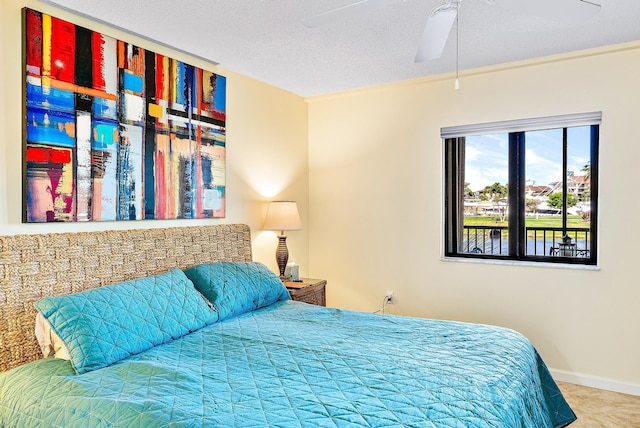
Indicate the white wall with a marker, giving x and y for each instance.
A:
(376, 209)
(266, 145)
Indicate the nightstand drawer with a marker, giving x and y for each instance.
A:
(308, 291)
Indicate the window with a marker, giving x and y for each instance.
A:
(523, 190)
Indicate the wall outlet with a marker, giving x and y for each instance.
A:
(388, 298)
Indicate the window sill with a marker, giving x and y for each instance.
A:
(520, 263)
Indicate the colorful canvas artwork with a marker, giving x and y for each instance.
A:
(117, 132)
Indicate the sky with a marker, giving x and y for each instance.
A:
(487, 156)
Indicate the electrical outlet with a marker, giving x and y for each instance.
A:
(388, 298)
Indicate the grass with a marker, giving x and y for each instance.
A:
(546, 221)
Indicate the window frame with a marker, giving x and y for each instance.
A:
(453, 139)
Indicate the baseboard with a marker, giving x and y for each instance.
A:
(596, 382)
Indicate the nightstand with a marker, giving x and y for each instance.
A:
(308, 291)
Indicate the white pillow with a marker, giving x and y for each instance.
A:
(50, 343)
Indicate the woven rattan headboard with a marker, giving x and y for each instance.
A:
(34, 266)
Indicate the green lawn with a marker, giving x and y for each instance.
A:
(546, 221)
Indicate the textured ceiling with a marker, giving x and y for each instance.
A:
(266, 40)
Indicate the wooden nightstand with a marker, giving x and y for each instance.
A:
(308, 291)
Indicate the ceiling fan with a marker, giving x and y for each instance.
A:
(444, 14)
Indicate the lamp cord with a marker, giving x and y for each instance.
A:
(384, 305)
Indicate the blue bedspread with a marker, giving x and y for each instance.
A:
(297, 365)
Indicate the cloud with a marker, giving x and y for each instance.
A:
(486, 160)
(541, 169)
(487, 157)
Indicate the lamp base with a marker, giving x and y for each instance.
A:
(282, 254)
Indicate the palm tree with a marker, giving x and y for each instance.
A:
(586, 194)
(587, 172)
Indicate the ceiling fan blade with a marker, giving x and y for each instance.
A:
(555, 10)
(435, 35)
(345, 11)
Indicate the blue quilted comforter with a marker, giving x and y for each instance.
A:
(297, 365)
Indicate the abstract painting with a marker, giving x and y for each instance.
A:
(113, 131)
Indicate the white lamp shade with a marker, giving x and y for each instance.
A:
(282, 215)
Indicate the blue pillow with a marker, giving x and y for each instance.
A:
(107, 324)
(237, 287)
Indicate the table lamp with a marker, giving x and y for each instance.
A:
(282, 215)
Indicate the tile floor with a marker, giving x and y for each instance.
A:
(597, 408)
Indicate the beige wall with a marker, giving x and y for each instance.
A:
(266, 145)
(376, 209)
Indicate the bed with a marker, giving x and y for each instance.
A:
(237, 352)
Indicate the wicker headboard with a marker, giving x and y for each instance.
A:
(35, 266)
